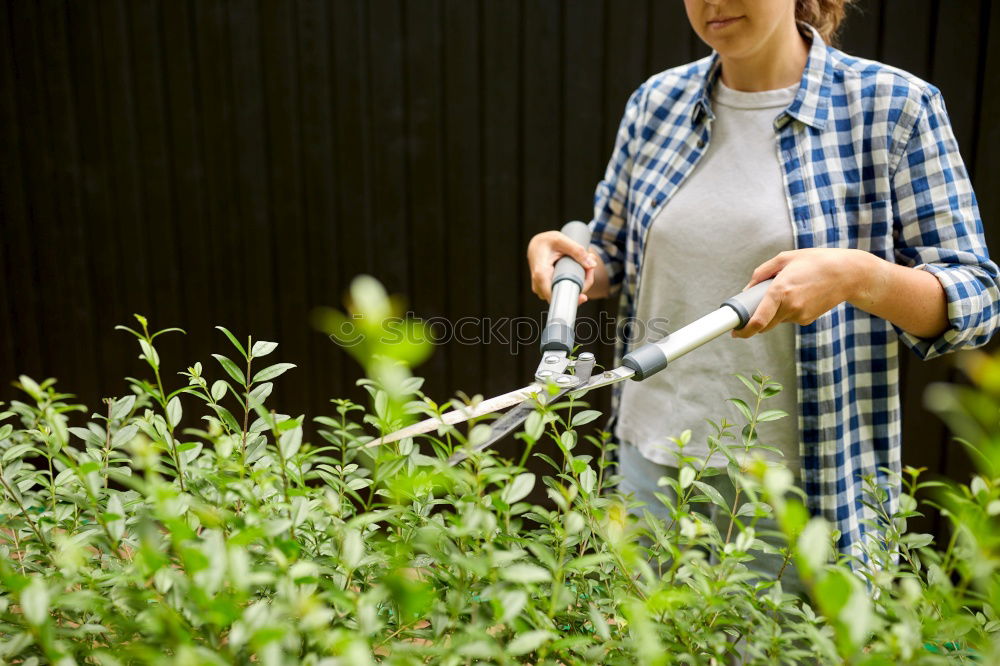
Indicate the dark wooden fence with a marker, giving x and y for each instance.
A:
(236, 163)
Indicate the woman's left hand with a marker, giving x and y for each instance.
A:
(807, 283)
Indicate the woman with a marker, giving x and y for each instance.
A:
(779, 156)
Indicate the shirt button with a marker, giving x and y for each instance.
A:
(701, 143)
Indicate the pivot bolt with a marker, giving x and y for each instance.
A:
(585, 357)
(551, 359)
(564, 380)
(544, 373)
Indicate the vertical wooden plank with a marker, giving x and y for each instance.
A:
(254, 266)
(98, 205)
(583, 146)
(987, 151)
(319, 200)
(463, 182)
(860, 34)
(214, 92)
(429, 268)
(127, 233)
(65, 240)
(907, 36)
(385, 53)
(353, 176)
(584, 154)
(670, 37)
(283, 130)
(190, 185)
(152, 129)
(19, 276)
(123, 155)
(504, 268)
(955, 68)
(36, 165)
(541, 152)
(625, 56)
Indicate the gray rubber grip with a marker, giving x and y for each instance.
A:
(557, 336)
(745, 303)
(645, 361)
(567, 268)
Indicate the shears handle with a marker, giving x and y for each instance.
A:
(567, 283)
(734, 313)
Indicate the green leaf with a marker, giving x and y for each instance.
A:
(271, 372)
(749, 384)
(353, 549)
(121, 408)
(833, 591)
(149, 353)
(511, 603)
(227, 418)
(918, 540)
(686, 476)
(479, 434)
(232, 338)
(5, 431)
(518, 489)
(772, 389)
(584, 417)
(525, 573)
(231, 369)
(814, 544)
(260, 393)
(712, 493)
(116, 521)
(600, 624)
(124, 435)
(262, 348)
(534, 425)
(289, 442)
(528, 642)
(771, 415)
(219, 389)
(35, 602)
(744, 409)
(588, 479)
(977, 485)
(174, 411)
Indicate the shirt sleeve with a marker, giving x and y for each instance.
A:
(937, 228)
(608, 228)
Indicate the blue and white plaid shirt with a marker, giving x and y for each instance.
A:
(870, 162)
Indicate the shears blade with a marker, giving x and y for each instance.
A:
(490, 406)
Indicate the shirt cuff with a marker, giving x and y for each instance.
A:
(965, 313)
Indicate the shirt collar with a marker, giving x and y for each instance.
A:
(812, 102)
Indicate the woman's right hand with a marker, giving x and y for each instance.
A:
(545, 249)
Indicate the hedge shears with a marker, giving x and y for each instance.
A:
(558, 374)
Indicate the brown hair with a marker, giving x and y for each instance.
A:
(824, 15)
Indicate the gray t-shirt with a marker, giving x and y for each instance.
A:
(728, 217)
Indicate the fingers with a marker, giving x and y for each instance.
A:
(565, 245)
(765, 317)
(769, 268)
(541, 281)
(545, 249)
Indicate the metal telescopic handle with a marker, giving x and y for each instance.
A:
(734, 313)
(567, 283)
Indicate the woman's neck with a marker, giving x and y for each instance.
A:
(778, 63)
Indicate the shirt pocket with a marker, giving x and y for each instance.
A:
(861, 225)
